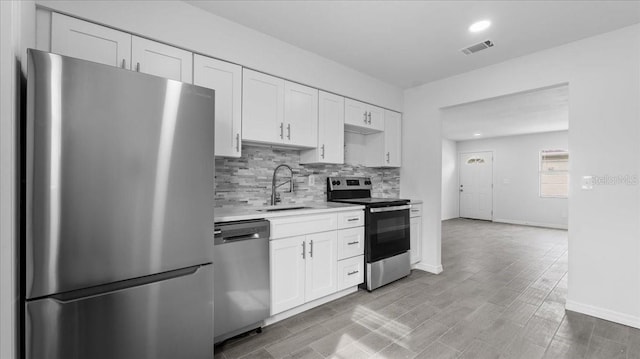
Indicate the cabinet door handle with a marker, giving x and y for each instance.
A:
(365, 117)
(124, 64)
(311, 248)
(281, 130)
(288, 131)
(354, 272)
(237, 142)
(304, 250)
(388, 157)
(353, 219)
(322, 154)
(369, 117)
(352, 243)
(137, 66)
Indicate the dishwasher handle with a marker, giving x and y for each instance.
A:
(230, 232)
(223, 240)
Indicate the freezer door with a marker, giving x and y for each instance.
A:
(167, 319)
(120, 174)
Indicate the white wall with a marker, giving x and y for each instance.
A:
(603, 73)
(450, 194)
(515, 178)
(180, 24)
(17, 32)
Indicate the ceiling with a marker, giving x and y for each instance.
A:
(408, 43)
(538, 111)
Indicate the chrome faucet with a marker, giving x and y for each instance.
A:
(275, 196)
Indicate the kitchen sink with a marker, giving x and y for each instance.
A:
(274, 209)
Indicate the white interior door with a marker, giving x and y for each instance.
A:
(476, 185)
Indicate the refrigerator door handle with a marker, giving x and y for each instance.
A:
(80, 294)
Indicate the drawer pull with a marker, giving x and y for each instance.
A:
(352, 273)
(352, 243)
(415, 210)
(353, 219)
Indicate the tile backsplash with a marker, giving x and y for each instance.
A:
(246, 181)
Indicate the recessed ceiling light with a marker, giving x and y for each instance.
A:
(479, 26)
(477, 134)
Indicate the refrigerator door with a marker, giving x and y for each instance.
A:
(166, 319)
(120, 174)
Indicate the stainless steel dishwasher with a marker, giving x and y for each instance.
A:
(241, 288)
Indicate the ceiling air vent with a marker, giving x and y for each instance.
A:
(477, 47)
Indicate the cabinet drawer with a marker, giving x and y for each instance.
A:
(300, 225)
(416, 210)
(350, 242)
(350, 219)
(350, 272)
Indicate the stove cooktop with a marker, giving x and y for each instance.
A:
(373, 201)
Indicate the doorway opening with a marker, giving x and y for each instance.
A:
(502, 158)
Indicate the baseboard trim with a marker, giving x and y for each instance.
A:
(602, 313)
(297, 310)
(532, 224)
(428, 268)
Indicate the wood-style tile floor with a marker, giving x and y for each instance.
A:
(501, 295)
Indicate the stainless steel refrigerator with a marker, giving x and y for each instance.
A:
(119, 213)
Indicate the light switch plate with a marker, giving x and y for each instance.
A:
(587, 183)
(312, 180)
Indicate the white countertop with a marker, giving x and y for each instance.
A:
(241, 213)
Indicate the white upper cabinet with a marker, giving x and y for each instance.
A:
(226, 79)
(162, 60)
(392, 138)
(384, 149)
(262, 107)
(275, 111)
(330, 147)
(300, 115)
(362, 118)
(355, 113)
(88, 41)
(376, 118)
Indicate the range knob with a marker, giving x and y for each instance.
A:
(338, 183)
(334, 182)
(367, 182)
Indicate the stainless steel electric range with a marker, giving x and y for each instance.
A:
(386, 230)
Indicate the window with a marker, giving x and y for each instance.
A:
(554, 173)
(471, 161)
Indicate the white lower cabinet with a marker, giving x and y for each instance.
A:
(311, 258)
(415, 232)
(350, 242)
(303, 269)
(321, 264)
(287, 273)
(350, 272)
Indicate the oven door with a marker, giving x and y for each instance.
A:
(387, 230)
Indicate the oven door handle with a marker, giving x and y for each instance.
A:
(389, 209)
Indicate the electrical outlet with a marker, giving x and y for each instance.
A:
(312, 180)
